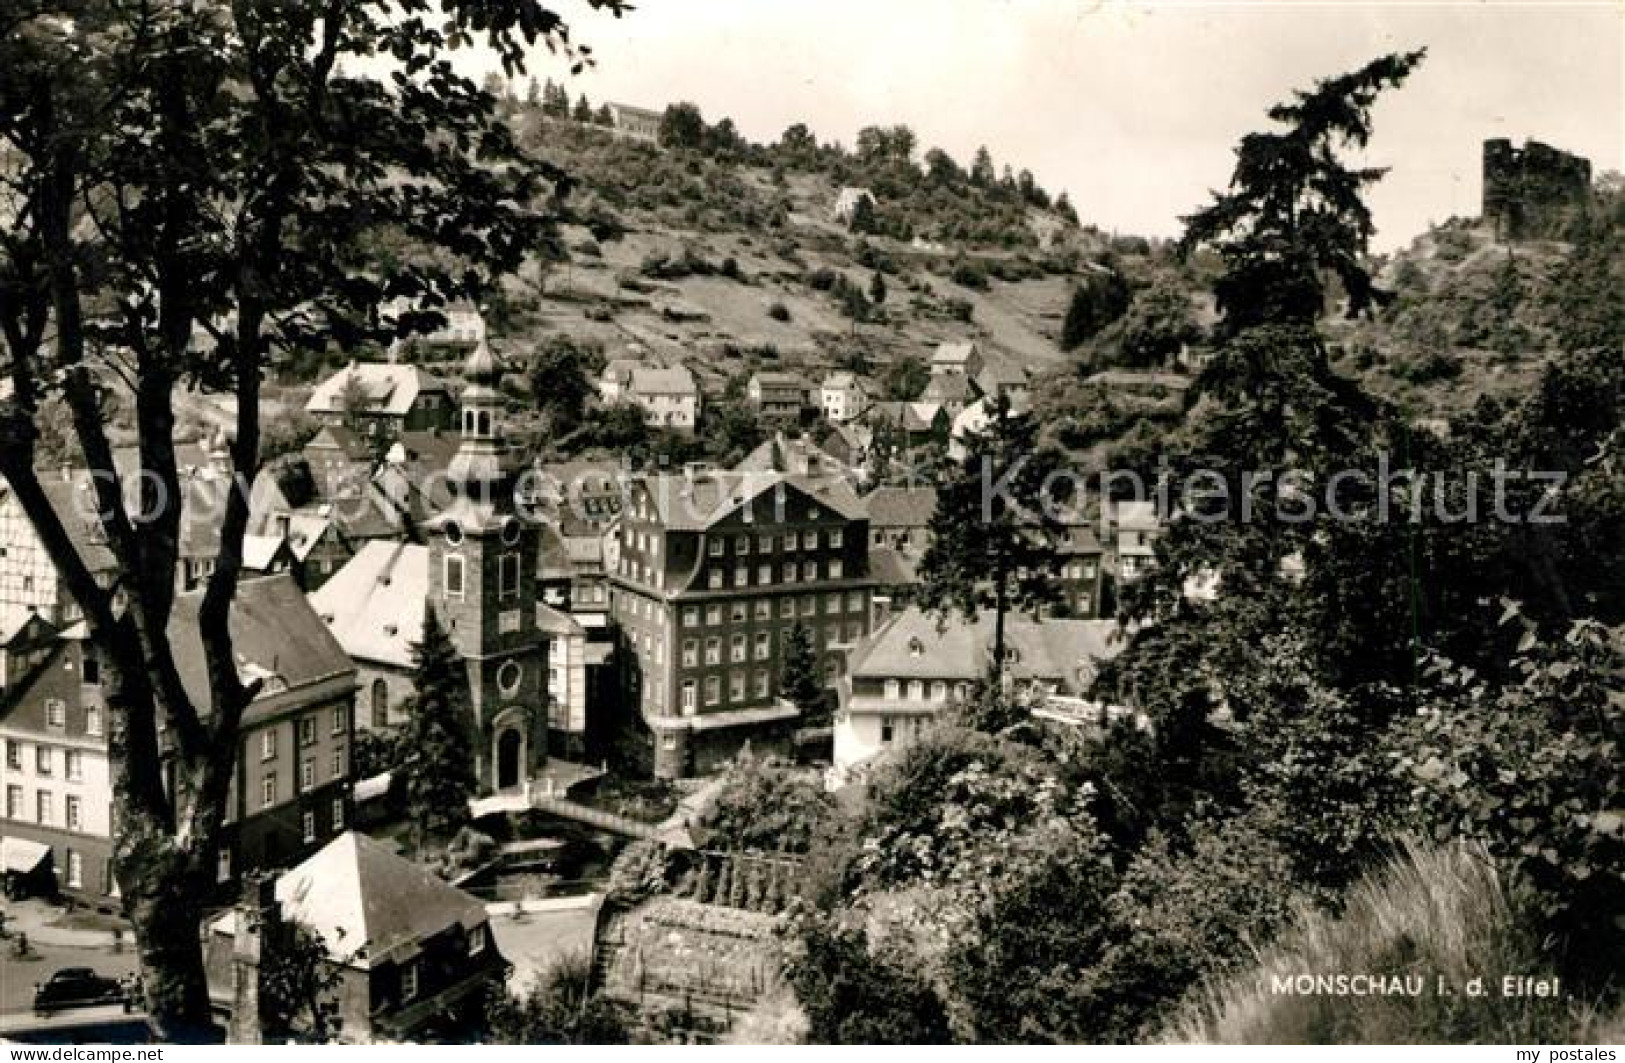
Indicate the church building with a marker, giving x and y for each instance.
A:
(477, 571)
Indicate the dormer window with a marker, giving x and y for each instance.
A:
(916, 648)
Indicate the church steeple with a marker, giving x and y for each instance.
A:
(480, 470)
(482, 586)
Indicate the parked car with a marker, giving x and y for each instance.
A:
(77, 987)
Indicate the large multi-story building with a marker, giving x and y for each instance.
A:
(291, 789)
(710, 572)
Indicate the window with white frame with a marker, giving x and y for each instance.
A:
(308, 820)
(476, 940)
(713, 690)
(713, 650)
(691, 652)
(837, 568)
(736, 686)
(42, 760)
(307, 774)
(454, 575)
(338, 813)
(93, 721)
(73, 765)
(409, 981)
(56, 713)
(268, 744)
(764, 645)
(736, 648)
(71, 811)
(834, 538)
(268, 790)
(307, 730)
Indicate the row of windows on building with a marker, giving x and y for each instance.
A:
(716, 577)
(762, 609)
(916, 689)
(45, 808)
(766, 542)
(339, 722)
(270, 791)
(742, 687)
(759, 645)
(44, 760)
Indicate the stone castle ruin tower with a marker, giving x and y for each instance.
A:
(1533, 191)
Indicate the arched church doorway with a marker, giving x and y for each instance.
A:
(510, 757)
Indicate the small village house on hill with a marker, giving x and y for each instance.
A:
(382, 399)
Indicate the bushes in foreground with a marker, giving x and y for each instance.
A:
(1438, 916)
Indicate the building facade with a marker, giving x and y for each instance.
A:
(291, 789)
(711, 573)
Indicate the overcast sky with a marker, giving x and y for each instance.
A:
(1131, 107)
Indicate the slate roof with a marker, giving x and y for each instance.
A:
(390, 388)
(901, 507)
(917, 645)
(341, 438)
(780, 454)
(374, 604)
(275, 635)
(371, 906)
(890, 568)
(656, 380)
(947, 387)
(685, 503)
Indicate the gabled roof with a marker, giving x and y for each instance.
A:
(901, 507)
(842, 380)
(374, 604)
(909, 416)
(656, 380)
(260, 551)
(781, 454)
(343, 439)
(694, 503)
(275, 635)
(947, 387)
(773, 379)
(389, 388)
(953, 354)
(919, 645)
(370, 906)
(891, 568)
(1136, 515)
(557, 622)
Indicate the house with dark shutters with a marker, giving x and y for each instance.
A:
(709, 573)
(291, 790)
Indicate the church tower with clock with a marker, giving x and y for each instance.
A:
(482, 588)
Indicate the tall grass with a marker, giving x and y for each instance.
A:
(1431, 912)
